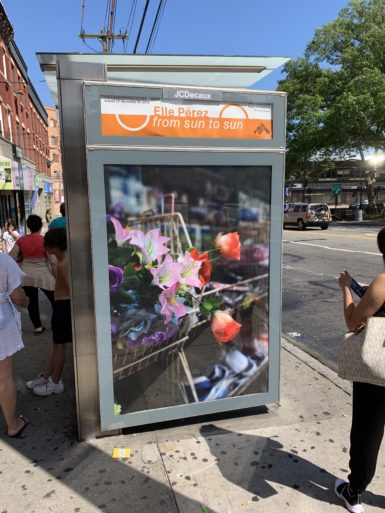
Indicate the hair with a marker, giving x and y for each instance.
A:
(381, 242)
(63, 209)
(10, 223)
(34, 223)
(56, 238)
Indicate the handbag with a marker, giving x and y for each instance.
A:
(362, 353)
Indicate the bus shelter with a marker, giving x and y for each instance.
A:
(173, 175)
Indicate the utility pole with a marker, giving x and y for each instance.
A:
(106, 37)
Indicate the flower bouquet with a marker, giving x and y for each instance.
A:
(156, 295)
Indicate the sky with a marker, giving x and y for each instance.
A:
(202, 27)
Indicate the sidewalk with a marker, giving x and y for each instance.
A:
(284, 458)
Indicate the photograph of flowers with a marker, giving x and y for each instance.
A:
(188, 263)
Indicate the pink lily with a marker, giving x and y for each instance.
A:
(170, 305)
(189, 272)
(121, 234)
(150, 243)
(166, 274)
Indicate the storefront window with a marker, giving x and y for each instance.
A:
(188, 255)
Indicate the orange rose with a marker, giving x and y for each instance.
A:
(229, 245)
(224, 327)
(205, 269)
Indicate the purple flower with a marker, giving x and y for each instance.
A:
(114, 327)
(116, 276)
(160, 337)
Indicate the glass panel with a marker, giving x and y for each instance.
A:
(188, 254)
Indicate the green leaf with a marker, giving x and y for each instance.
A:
(207, 305)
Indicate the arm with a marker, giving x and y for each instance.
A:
(19, 298)
(371, 302)
(15, 235)
(15, 252)
(52, 262)
(3, 246)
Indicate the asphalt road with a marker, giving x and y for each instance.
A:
(311, 298)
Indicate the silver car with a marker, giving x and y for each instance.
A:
(303, 215)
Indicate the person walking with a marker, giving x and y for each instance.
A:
(11, 294)
(10, 236)
(49, 381)
(59, 222)
(34, 263)
(368, 419)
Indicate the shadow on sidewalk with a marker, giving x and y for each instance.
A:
(48, 455)
(253, 462)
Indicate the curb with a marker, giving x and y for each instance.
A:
(291, 347)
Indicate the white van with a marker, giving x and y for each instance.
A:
(303, 215)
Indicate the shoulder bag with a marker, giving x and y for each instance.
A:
(362, 353)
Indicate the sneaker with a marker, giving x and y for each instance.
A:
(49, 388)
(351, 501)
(39, 330)
(39, 380)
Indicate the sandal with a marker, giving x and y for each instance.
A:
(19, 433)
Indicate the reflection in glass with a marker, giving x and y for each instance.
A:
(188, 253)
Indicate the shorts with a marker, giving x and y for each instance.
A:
(61, 321)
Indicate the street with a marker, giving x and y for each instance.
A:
(311, 298)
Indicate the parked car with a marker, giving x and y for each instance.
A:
(303, 215)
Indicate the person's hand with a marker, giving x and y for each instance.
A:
(344, 279)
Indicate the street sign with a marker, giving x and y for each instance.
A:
(336, 188)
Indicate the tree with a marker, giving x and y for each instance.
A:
(336, 92)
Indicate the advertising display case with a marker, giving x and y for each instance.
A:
(176, 289)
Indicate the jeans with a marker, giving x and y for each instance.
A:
(366, 433)
(33, 307)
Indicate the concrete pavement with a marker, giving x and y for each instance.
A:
(281, 458)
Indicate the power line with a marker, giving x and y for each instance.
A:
(156, 25)
(108, 9)
(82, 18)
(141, 26)
(130, 22)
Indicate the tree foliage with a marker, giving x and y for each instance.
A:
(336, 92)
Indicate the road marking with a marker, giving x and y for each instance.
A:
(332, 249)
(309, 271)
(340, 235)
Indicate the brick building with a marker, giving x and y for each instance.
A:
(55, 165)
(25, 186)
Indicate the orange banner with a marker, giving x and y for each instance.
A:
(141, 117)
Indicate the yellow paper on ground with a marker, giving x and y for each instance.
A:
(119, 452)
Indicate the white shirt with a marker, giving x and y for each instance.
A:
(10, 328)
(9, 241)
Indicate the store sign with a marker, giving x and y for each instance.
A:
(5, 174)
(47, 186)
(190, 119)
(17, 177)
(28, 178)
